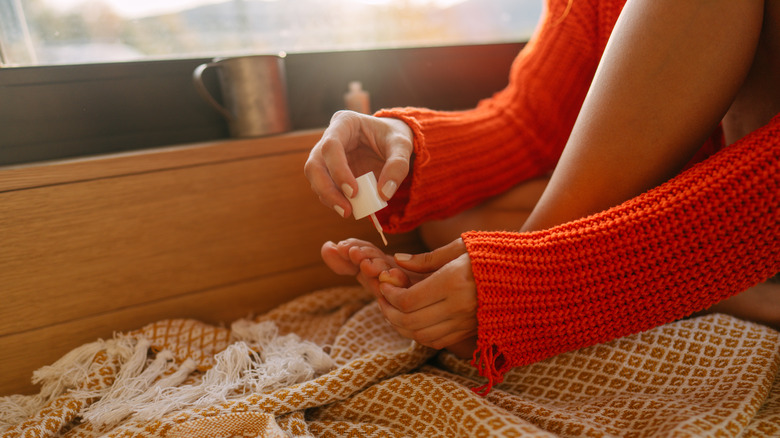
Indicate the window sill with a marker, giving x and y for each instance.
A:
(82, 110)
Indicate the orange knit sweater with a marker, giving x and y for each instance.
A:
(517, 134)
(707, 234)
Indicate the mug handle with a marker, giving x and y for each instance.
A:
(197, 79)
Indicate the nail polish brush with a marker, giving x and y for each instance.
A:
(367, 201)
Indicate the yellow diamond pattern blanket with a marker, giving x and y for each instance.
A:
(328, 365)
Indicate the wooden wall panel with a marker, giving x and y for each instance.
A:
(27, 351)
(93, 246)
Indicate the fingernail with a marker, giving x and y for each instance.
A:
(383, 265)
(389, 189)
(339, 210)
(347, 189)
(403, 257)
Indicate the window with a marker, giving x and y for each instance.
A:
(50, 32)
(72, 92)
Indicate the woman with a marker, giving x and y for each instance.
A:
(616, 99)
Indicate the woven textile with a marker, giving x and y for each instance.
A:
(709, 233)
(709, 376)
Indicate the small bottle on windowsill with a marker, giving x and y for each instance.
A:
(357, 99)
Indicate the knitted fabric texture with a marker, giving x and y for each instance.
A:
(465, 157)
(705, 235)
(709, 233)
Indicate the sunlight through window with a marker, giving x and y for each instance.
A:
(45, 32)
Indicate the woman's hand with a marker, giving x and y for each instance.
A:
(439, 310)
(428, 297)
(352, 145)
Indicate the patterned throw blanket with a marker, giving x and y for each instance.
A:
(327, 364)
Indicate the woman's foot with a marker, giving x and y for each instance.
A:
(369, 264)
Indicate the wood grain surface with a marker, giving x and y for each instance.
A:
(209, 231)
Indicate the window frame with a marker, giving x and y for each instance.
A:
(56, 112)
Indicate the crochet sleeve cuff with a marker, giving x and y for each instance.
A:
(707, 234)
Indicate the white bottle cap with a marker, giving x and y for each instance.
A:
(367, 200)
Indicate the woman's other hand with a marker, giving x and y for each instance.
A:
(355, 144)
(440, 310)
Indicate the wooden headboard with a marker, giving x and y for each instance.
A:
(211, 231)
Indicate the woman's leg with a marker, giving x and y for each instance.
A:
(757, 101)
(760, 303)
(507, 212)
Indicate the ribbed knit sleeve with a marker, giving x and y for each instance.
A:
(707, 234)
(464, 157)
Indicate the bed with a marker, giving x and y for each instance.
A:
(180, 292)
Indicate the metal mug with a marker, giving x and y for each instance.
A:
(254, 93)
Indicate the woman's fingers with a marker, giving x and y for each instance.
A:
(327, 168)
(453, 282)
(436, 311)
(398, 147)
(433, 260)
(323, 186)
(334, 148)
(427, 329)
(422, 318)
(352, 145)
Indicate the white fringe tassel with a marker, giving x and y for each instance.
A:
(131, 383)
(68, 373)
(17, 408)
(259, 360)
(73, 369)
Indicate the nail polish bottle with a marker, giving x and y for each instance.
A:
(367, 201)
(357, 99)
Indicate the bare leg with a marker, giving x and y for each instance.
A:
(507, 212)
(760, 303)
(757, 101)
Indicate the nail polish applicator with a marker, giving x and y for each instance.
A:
(367, 201)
